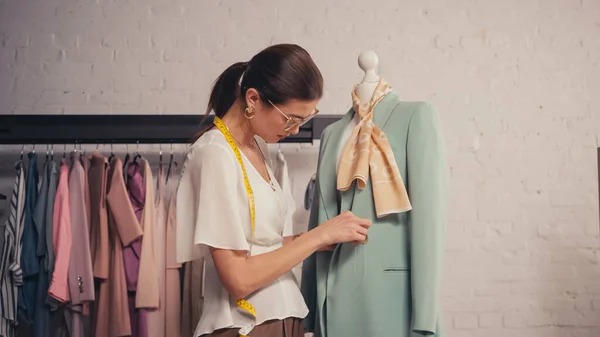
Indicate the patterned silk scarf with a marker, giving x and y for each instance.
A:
(368, 151)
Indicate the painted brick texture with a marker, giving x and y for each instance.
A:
(517, 85)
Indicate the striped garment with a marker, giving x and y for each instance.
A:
(11, 275)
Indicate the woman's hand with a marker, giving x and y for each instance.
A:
(242, 274)
(345, 227)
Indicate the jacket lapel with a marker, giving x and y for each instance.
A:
(347, 197)
(328, 166)
(384, 109)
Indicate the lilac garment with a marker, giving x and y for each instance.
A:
(137, 196)
(131, 253)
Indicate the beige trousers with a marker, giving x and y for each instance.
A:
(289, 327)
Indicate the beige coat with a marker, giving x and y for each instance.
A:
(112, 308)
(156, 318)
(99, 243)
(147, 295)
(173, 285)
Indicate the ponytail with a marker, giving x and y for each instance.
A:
(279, 73)
(224, 93)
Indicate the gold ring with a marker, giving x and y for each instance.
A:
(366, 240)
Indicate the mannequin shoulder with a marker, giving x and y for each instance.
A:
(339, 124)
(410, 109)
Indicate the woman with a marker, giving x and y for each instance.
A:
(249, 288)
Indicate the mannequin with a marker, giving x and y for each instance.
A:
(391, 169)
(368, 62)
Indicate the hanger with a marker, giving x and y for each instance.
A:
(160, 157)
(171, 162)
(126, 157)
(47, 152)
(137, 153)
(52, 152)
(81, 151)
(22, 149)
(112, 154)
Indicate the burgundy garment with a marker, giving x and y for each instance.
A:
(136, 189)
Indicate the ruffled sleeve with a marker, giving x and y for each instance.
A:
(212, 205)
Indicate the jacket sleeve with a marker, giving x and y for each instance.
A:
(426, 160)
(62, 241)
(81, 278)
(119, 204)
(308, 284)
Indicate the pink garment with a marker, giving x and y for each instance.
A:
(61, 238)
(81, 279)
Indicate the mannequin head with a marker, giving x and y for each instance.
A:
(274, 93)
(368, 61)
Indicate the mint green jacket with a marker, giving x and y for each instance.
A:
(391, 285)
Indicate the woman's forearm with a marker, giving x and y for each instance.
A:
(288, 239)
(241, 275)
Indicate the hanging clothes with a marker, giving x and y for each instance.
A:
(4, 212)
(29, 260)
(44, 210)
(157, 318)
(112, 311)
(147, 295)
(147, 291)
(11, 275)
(173, 285)
(61, 238)
(86, 189)
(81, 279)
(49, 260)
(99, 241)
(58, 292)
(133, 252)
(310, 191)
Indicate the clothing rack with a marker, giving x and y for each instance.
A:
(124, 129)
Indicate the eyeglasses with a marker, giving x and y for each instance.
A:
(292, 122)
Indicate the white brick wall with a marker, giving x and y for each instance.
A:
(517, 84)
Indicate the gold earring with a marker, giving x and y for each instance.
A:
(249, 112)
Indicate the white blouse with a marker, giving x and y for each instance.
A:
(213, 211)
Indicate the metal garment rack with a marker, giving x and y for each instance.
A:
(124, 129)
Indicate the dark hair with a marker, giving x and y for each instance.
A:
(279, 73)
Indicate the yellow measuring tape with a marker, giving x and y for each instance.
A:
(242, 303)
